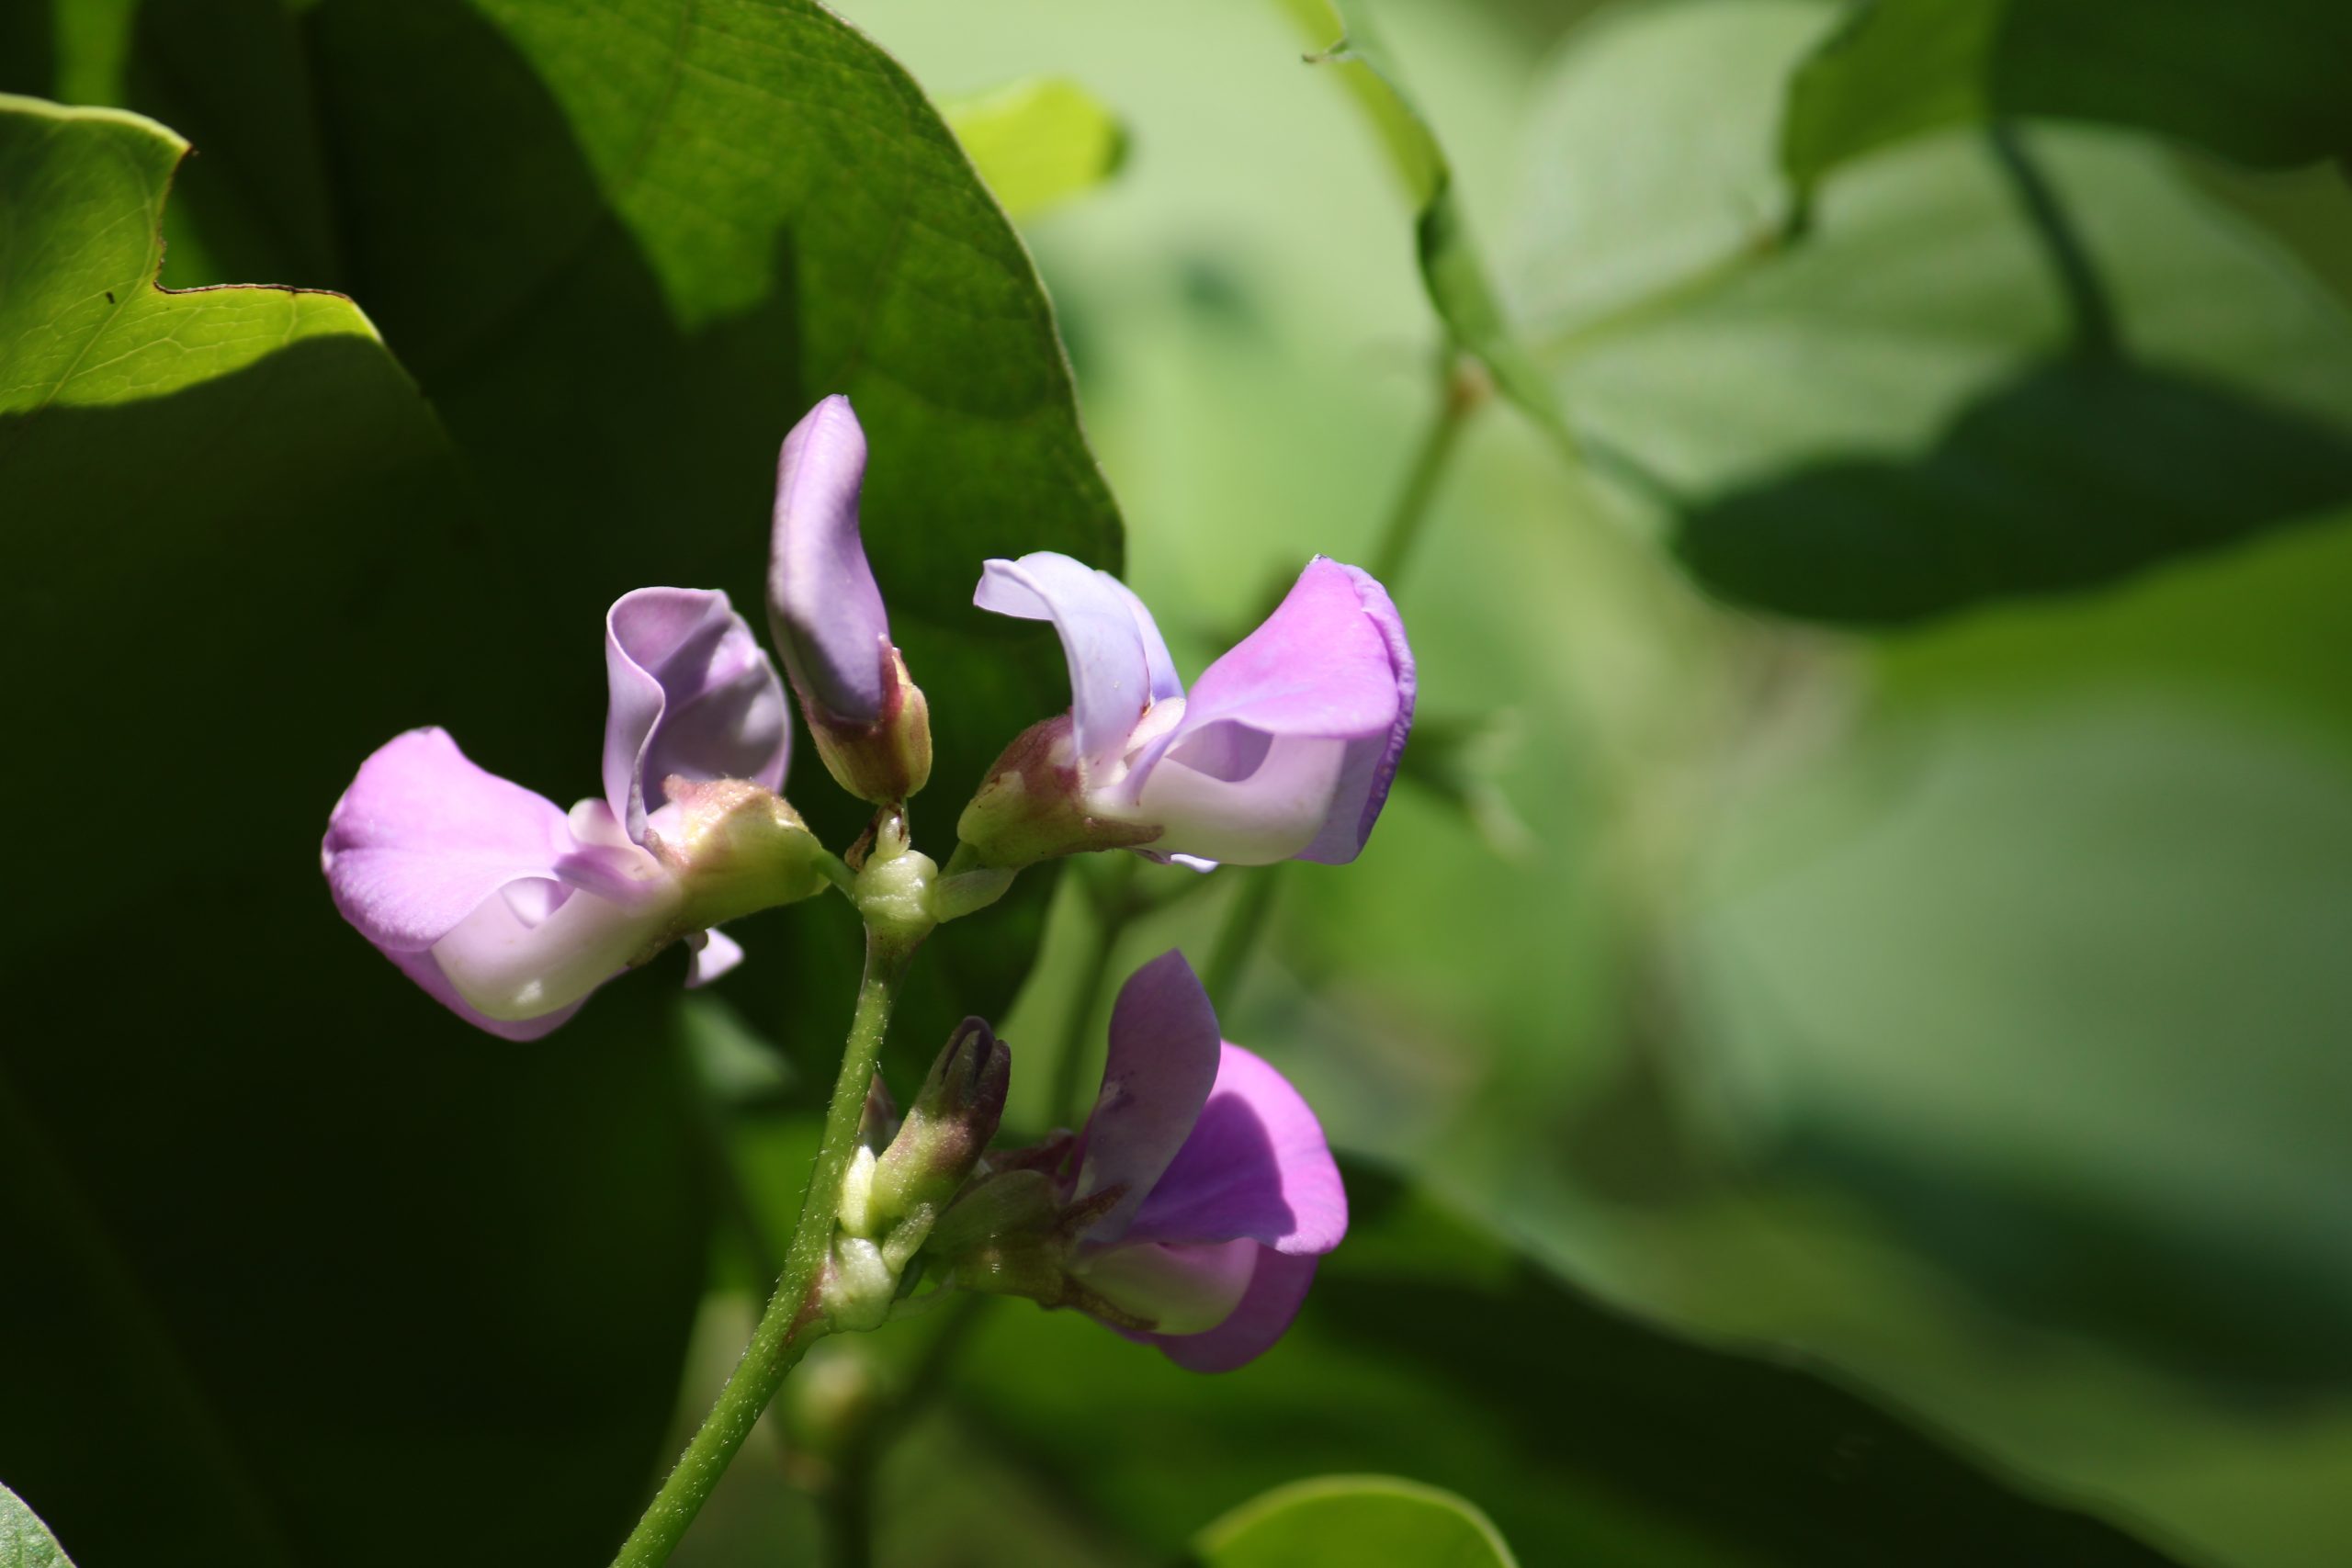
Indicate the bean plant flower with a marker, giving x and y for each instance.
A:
(508, 909)
(1190, 1210)
(1283, 749)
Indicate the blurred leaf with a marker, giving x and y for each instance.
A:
(25, 1541)
(1037, 142)
(1590, 1437)
(1990, 371)
(1338, 1521)
(1452, 268)
(2065, 478)
(2264, 86)
(2130, 898)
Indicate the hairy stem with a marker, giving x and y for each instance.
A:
(790, 1324)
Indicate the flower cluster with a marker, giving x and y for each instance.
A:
(1189, 1211)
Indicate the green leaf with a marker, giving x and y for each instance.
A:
(2098, 873)
(1337, 1521)
(1452, 268)
(1038, 141)
(25, 1541)
(658, 233)
(2266, 89)
(1990, 370)
(621, 252)
(1427, 1343)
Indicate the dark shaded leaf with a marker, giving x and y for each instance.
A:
(1428, 1346)
(2071, 475)
(2263, 84)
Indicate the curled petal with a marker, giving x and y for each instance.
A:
(692, 696)
(1240, 796)
(823, 605)
(423, 969)
(516, 959)
(1161, 1065)
(1277, 1290)
(1180, 1288)
(1255, 1165)
(1287, 744)
(1119, 663)
(1371, 764)
(423, 836)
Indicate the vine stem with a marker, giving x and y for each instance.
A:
(1112, 905)
(790, 1324)
(1465, 389)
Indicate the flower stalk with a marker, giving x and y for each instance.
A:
(792, 1322)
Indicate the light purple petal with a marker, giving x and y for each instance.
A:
(423, 836)
(1240, 796)
(1319, 667)
(1182, 1287)
(1161, 1065)
(513, 959)
(1371, 765)
(1256, 1165)
(715, 952)
(422, 968)
(1276, 1292)
(1119, 663)
(823, 607)
(1288, 743)
(693, 694)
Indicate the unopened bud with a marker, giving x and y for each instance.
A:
(887, 759)
(949, 1126)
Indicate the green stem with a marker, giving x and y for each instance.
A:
(790, 1324)
(1465, 391)
(1238, 938)
(1112, 906)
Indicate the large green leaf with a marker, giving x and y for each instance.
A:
(25, 1541)
(622, 250)
(295, 1247)
(2263, 85)
(1336, 1521)
(658, 233)
(1428, 1345)
(1453, 267)
(1990, 369)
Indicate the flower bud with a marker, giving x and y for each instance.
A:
(947, 1127)
(871, 722)
(887, 760)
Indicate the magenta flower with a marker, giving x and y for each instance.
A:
(1222, 1193)
(871, 724)
(509, 910)
(1284, 748)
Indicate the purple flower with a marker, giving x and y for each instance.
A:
(871, 724)
(509, 910)
(1221, 1192)
(1285, 747)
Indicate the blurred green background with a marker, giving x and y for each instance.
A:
(1913, 950)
